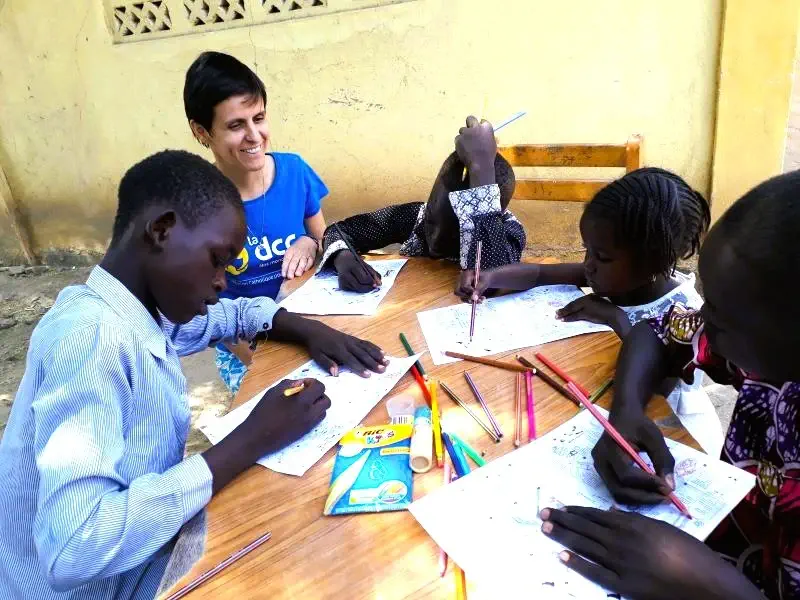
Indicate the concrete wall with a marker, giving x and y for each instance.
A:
(755, 84)
(371, 98)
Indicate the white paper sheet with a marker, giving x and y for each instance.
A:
(352, 397)
(515, 321)
(488, 520)
(321, 295)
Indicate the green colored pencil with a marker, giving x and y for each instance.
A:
(601, 390)
(477, 459)
(411, 352)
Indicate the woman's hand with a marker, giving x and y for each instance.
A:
(299, 257)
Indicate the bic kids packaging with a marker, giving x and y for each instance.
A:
(371, 472)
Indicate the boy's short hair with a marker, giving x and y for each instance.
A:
(452, 176)
(762, 229)
(213, 78)
(175, 179)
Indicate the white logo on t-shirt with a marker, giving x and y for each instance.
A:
(266, 250)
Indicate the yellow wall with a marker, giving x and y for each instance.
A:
(372, 99)
(756, 67)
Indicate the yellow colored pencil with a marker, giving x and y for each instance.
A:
(294, 390)
(461, 583)
(435, 423)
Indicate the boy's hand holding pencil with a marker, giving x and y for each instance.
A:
(284, 414)
(626, 482)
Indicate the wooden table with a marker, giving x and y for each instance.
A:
(374, 556)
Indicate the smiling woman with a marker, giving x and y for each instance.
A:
(225, 103)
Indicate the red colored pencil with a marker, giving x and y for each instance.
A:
(610, 429)
(558, 371)
(421, 382)
(548, 380)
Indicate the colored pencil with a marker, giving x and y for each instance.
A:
(193, 585)
(510, 120)
(601, 390)
(450, 451)
(461, 583)
(357, 256)
(469, 450)
(421, 382)
(531, 408)
(463, 405)
(518, 411)
(410, 350)
(442, 553)
(294, 390)
(622, 443)
(462, 458)
(484, 406)
(489, 362)
(548, 380)
(560, 372)
(436, 423)
(474, 286)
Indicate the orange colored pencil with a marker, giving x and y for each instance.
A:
(489, 362)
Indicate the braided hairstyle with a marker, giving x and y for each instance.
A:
(656, 214)
(452, 176)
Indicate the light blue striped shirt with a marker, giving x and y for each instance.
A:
(93, 484)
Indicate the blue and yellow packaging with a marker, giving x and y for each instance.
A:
(371, 472)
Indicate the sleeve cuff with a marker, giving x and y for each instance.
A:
(332, 249)
(260, 313)
(471, 203)
(475, 202)
(195, 481)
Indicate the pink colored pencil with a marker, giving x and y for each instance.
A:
(220, 567)
(531, 411)
(475, 285)
(561, 373)
(479, 397)
(622, 442)
(442, 553)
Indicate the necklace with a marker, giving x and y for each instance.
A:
(252, 235)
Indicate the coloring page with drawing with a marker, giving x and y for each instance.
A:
(496, 508)
(352, 397)
(506, 323)
(321, 294)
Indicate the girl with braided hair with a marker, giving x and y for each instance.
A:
(634, 230)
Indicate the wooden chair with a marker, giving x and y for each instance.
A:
(569, 155)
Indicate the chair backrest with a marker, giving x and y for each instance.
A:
(569, 155)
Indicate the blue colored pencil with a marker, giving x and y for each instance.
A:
(457, 458)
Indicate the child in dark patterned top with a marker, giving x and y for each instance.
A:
(746, 336)
(457, 214)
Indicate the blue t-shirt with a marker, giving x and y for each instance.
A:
(274, 222)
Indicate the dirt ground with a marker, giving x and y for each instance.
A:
(25, 296)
